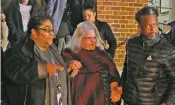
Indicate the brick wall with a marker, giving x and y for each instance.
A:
(120, 16)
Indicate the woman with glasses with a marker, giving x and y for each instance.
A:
(34, 70)
(96, 81)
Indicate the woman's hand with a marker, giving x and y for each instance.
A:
(74, 67)
(3, 17)
(52, 68)
(116, 92)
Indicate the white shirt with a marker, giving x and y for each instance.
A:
(25, 13)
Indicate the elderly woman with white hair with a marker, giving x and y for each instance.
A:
(96, 82)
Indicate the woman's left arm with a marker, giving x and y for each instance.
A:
(116, 90)
(73, 65)
(170, 73)
(111, 40)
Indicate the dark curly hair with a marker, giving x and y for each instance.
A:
(148, 10)
(35, 22)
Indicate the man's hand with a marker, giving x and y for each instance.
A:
(3, 17)
(116, 92)
(74, 67)
(163, 104)
(52, 68)
(115, 95)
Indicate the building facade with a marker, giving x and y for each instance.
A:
(120, 15)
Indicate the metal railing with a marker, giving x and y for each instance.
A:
(161, 26)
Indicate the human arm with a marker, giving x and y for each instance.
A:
(14, 22)
(116, 92)
(114, 76)
(121, 83)
(123, 75)
(10, 22)
(111, 40)
(73, 65)
(169, 99)
(52, 68)
(118, 88)
(115, 89)
(50, 7)
(3, 17)
(4, 30)
(21, 69)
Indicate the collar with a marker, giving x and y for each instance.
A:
(149, 42)
(28, 47)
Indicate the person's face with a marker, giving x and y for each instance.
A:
(25, 2)
(89, 15)
(89, 40)
(45, 34)
(149, 26)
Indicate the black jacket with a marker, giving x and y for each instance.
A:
(38, 9)
(107, 35)
(149, 72)
(4, 99)
(14, 19)
(14, 22)
(25, 74)
(171, 35)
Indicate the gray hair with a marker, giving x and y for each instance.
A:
(75, 43)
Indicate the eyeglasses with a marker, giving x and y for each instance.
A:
(47, 29)
(151, 26)
(90, 38)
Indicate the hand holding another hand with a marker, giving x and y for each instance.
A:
(74, 67)
(116, 92)
(52, 68)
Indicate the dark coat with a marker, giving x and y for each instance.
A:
(38, 9)
(14, 19)
(171, 35)
(55, 9)
(25, 75)
(14, 22)
(98, 69)
(5, 5)
(149, 72)
(4, 99)
(107, 35)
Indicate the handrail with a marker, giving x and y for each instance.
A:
(161, 26)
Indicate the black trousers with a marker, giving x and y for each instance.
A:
(118, 103)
